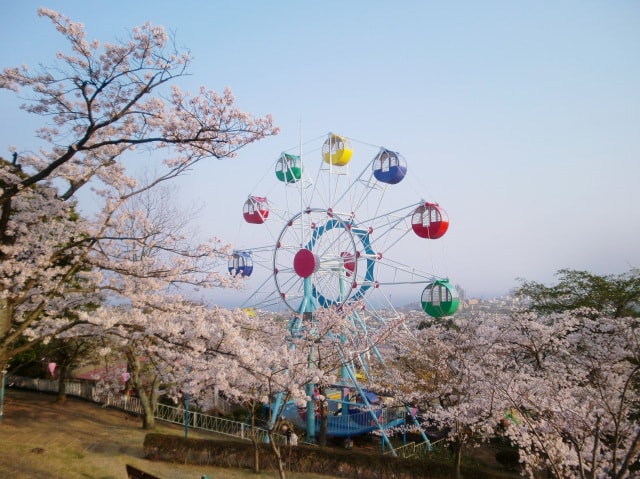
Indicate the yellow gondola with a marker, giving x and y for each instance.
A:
(337, 150)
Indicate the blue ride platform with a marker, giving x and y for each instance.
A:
(348, 419)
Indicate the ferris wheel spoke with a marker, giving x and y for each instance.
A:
(288, 280)
(330, 250)
(331, 287)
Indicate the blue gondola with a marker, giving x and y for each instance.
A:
(389, 167)
(241, 263)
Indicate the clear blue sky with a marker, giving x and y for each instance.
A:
(521, 118)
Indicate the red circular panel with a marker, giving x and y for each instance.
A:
(349, 262)
(304, 263)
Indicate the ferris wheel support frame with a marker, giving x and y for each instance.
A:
(309, 305)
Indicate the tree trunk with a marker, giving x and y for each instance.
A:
(254, 441)
(62, 384)
(629, 458)
(148, 417)
(324, 422)
(153, 403)
(276, 453)
(6, 318)
(147, 400)
(3, 372)
(457, 460)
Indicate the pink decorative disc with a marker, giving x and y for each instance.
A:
(304, 263)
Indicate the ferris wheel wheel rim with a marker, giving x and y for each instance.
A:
(355, 288)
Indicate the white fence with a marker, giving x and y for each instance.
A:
(415, 450)
(176, 415)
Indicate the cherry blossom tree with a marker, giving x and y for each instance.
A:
(150, 269)
(563, 388)
(442, 371)
(170, 352)
(345, 343)
(574, 382)
(102, 102)
(285, 361)
(275, 361)
(269, 366)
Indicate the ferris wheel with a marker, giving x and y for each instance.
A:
(332, 234)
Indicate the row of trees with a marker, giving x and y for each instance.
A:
(562, 388)
(119, 284)
(559, 381)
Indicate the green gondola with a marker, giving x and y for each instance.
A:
(440, 299)
(289, 168)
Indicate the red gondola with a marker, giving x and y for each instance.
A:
(255, 210)
(430, 221)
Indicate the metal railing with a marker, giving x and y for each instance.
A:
(197, 420)
(415, 450)
(163, 412)
(220, 425)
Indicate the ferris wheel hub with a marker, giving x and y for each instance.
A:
(305, 263)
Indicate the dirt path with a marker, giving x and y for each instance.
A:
(40, 439)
